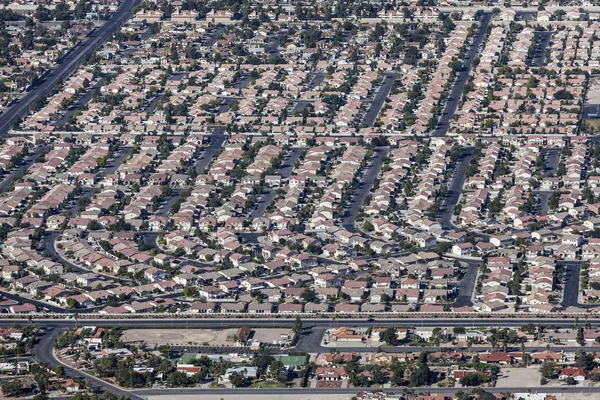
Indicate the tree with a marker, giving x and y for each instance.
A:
(262, 360)
(297, 327)
(420, 376)
(59, 371)
(548, 369)
(471, 379)
(308, 295)
(189, 292)
(389, 336)
(177, 379)
(12, 388)
(276, 371)
(237, 379)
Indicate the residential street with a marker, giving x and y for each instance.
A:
(365, 185)
(455, 188)
(457, 88)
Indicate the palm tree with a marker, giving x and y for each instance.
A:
(493, 342)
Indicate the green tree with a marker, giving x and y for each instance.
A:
(548, 369)
(389, 336)
(297, 327)
(177, 379)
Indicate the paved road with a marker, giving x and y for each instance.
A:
(512, 321)
(300, 105)
(47, 244)
(212, 38)
(22, 169)
(269, 194)
(379, 99)
(152, 104)
(551, 161)
(66, 66)
(455, 188)
(274, 45)
(467, 286)
(571, 279)
(217, 138)
(81, 100)
(539, 58)
(543, 196)
(43, 353)
(165, 208)
(111, 167)
(364, 187)
(456, 92)
(316, 79)
(39, 304)
(353, 391)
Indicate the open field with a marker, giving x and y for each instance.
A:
(244, 396)
(157, 337)
(519, 377)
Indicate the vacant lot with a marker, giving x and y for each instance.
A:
(271, 335)
(593, 94)
(174, 337)
(519, 377)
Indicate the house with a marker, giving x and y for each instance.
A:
(576, 373)
(345, 334)
(247, 371)
(203, 308)
(463, 249)
(496, 358)
(331, 373)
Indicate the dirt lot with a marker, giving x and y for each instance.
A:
(519, 377)
(198, 337)
(244, 396)
(593, 94)
(271, 335)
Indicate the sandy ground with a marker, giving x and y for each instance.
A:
(593, 95)
(197, 337)
(270, 335)
(243, 396)
(519, 377)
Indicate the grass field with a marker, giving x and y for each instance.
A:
(591, 126)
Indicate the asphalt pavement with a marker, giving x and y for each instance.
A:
(43, 353)
(353, 391)
(431, 321)
(265, 200)
(539, 57)
(47, 244)
(214, 36)
(467, 285)
(365, 186)
(217, 138)
(571, 278)
(22, 169)
(543, 196)
(551, 161)
(455, 188)
(457, 88)
(66, 66)
(316, 79)
(379, 99)
(81, 100)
